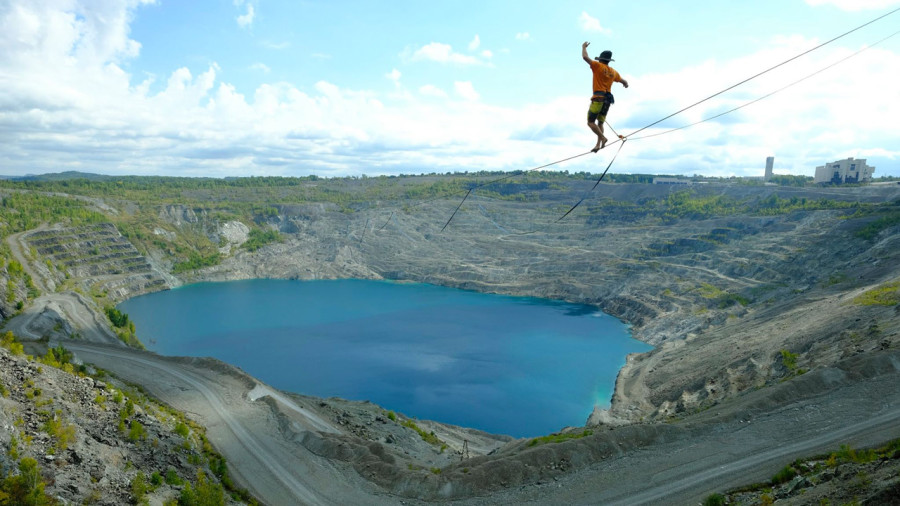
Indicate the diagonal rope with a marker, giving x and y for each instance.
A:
(595, 184)
(622, 138)
(798, 81)
(456, 210)
(785, 62)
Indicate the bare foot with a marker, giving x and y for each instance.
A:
(603, 145)
(596, 148)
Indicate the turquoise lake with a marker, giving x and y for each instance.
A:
(509, 365)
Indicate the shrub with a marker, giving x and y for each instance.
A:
(428, 437)
(172, 477)
(9, 341)
(27, 487)
(714, 500)
(204, 493)
(139, 487)
(62, 432)
(871, 231)
(136, 431)
(789, 360)
(785, 475)
(259, 238)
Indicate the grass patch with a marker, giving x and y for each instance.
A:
(871, 231)
(428, 437)
(887, 294)
(559, 438)
(259, 238)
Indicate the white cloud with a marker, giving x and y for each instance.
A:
(487, 54)
(443, 53)
(394, 75)
(268, 44)
(591, 24)
(523, 36)
(475, 43)
(261, 67)
(67, 102)
(821, 119)
(430, 90)
(855, 5)
(466, 90)
(245, 20)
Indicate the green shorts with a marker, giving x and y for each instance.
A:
(598, 111)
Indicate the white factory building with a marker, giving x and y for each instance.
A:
(845, 171)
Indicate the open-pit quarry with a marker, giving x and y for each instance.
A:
(773, 311)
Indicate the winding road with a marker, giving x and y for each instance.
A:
(276, 470)
(718, 451)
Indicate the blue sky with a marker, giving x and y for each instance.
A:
(277, 87)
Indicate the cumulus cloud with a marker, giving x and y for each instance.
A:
(394, 76)
(821, 119)
(589, 23)
(246, 19)
(466, 90)
(855, 5)
(442, 53)
(431, 90)
(523, 36)
(67, 102)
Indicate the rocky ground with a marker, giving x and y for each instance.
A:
(735, 303)
(97, 441)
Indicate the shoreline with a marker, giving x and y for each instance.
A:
(609, 332)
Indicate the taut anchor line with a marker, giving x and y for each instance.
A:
(623, 138)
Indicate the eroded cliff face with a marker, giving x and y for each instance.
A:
(732, 301)
(722, 299)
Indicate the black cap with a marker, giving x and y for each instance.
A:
(605, 56)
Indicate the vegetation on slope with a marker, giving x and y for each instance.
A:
(199, 475)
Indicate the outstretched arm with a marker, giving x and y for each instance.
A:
(584, 52)
(624, 83)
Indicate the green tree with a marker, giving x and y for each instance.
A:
(26, 488)
(204, 493)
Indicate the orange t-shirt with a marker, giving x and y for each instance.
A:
(604, 76)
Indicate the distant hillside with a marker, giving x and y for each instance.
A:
(60, 176)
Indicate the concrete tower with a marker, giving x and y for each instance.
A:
(770, 163)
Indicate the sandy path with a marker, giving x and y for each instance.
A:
(274, 469)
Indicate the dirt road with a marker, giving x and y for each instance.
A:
(743, 443)
(735, 443)
(274, 469)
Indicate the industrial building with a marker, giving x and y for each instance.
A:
(844, 171)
